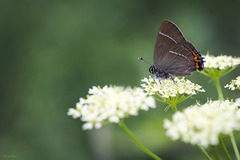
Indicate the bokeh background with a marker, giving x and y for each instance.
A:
(52, 52)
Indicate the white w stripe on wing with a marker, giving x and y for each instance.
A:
(178, 54)
(168, 37)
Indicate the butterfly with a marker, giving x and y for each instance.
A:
(173, 54)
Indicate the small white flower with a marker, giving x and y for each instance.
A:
(110, 104)
(170, 88)
(74, 113)
(221, 62)
(203, 125)
(234, 84)
(93, 90)
(87, 126)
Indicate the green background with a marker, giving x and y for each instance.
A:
(52, 52)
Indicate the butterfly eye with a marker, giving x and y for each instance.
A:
(152, 69)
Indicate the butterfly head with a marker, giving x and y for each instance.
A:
(158, 73)
(152, 69)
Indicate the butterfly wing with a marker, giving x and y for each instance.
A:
(171, 30)
(180, 61)
(168, 37)
(173, 53)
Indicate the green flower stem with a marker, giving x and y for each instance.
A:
(183, 98)
(174, 107)
(157, 99)
(224, 149)
(140, 145)
(205, 73)
(204, 152)
(235, 146)
(171, 101)
(215, 152)
(228, 71)
(218, 86)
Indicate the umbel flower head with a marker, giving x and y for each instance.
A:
(234, 84)
(169, 90)
(220, 65)
(110, 104)
(204, 124)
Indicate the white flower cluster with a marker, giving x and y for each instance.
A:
(170, 88)
(221, 62)
(234, 84)
(203, 125)
(110, 104)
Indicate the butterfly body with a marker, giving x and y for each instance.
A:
(158, 73)
(173, 54)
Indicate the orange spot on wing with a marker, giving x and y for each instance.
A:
(197, 66)
(195, 59)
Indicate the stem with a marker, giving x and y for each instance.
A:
(224, 149)
(174, 107)
(157, 99)
(215, 152)
(230, 70)
(204, 152)
(218, 86)
(184, 98)
(140, 145)
(205, 73)
(235, 146)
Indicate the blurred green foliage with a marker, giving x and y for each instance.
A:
(53, 51)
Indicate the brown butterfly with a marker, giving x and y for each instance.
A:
(173, 54)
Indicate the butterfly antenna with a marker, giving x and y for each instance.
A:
(141, 59)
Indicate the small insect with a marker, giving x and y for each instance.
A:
(173, 54)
